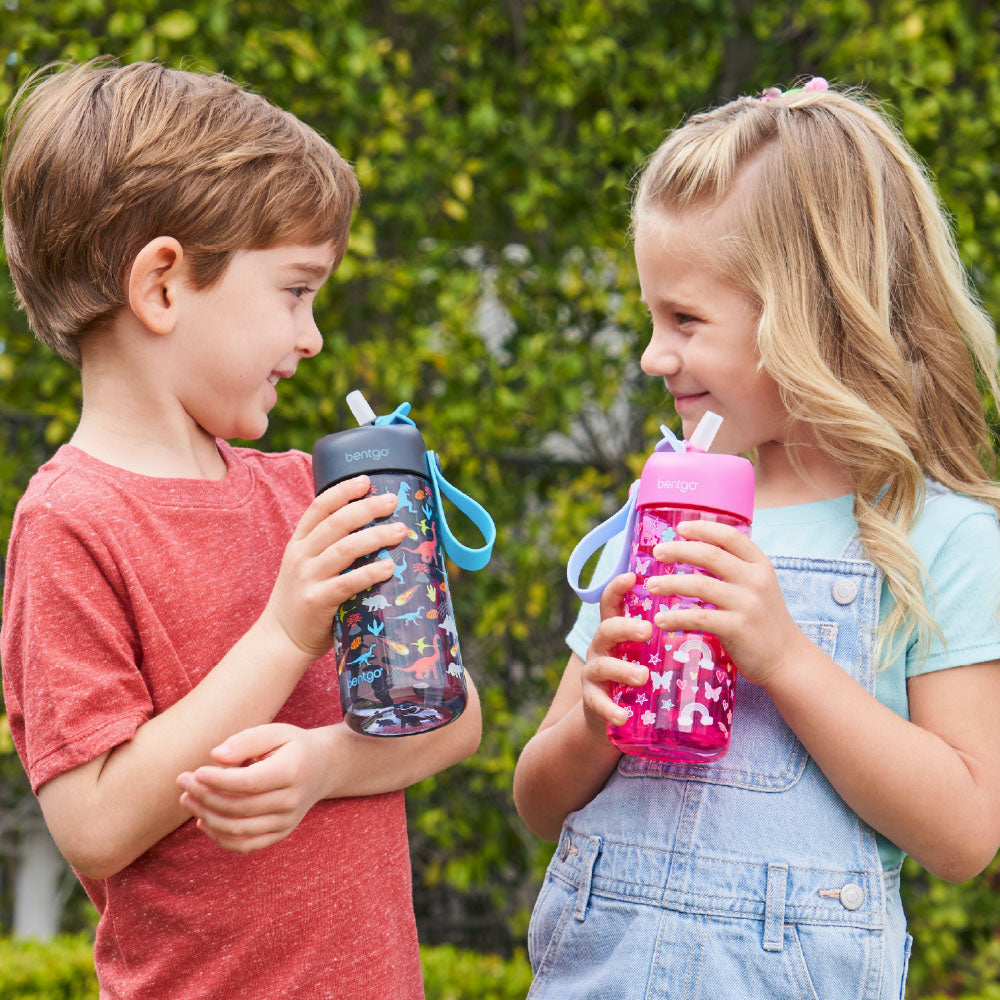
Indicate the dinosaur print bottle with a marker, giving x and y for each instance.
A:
(399, 665)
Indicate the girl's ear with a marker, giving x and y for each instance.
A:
(153, 283)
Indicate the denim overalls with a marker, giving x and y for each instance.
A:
(745, 878)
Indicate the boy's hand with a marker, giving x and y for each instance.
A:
(335, 530)
(750, 615)
(246, 808)
(603, 667)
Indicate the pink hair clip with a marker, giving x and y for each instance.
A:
(816, 83)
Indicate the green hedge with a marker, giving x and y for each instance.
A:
(63, 969)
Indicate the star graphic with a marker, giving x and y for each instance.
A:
(641, 699)
(655, 659)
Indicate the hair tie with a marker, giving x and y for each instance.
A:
(816, 83)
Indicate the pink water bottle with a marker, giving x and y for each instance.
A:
(684, 713)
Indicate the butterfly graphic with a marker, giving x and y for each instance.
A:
(661, 680)
(711, 693)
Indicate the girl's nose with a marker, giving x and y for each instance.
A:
(310, 340)
(660, 357)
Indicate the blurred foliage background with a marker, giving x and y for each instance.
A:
(490, 282)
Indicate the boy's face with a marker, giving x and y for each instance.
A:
(238, 338)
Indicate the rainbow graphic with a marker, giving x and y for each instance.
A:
(685, 720)
(683, 652)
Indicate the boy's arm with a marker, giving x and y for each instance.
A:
(106, 813)
(246, 808)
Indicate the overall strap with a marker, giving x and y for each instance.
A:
(589, 544)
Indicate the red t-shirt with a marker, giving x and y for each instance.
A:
(122, 592)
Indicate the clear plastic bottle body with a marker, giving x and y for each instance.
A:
(684, 713)
(398, 660)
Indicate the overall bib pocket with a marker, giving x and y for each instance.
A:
(764, 754)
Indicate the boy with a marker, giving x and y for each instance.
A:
(168, 232)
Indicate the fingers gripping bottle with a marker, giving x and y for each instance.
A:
(398, 660)
(684, 713)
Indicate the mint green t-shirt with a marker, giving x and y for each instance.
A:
(956, 538)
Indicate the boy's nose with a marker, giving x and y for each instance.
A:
(310, 340)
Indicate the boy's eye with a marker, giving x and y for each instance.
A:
(299, 290)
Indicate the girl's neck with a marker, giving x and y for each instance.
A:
(811, 477)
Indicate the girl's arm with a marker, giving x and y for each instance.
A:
(245, 808)
(566, 763)
(930, 784)
(106, 813)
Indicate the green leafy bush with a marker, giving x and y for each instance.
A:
(61, 969)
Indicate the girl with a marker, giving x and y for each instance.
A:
(803, 283)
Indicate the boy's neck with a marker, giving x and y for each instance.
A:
(124, 423)
(150, 455)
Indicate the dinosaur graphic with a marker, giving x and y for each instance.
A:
(376, 602)
(400, 570)
(425, 550)
(404, 498)
(410, 617)
(364, 658)
(423, 667)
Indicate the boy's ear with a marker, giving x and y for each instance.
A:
(153, 283)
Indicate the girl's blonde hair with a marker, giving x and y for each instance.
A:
(98, 159)
(867, 319)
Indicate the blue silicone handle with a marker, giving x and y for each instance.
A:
(461, 555)
(589, 544)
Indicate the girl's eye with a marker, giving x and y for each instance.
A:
(684, 318)
(299, 291)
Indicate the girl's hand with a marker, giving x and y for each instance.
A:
(750, 616)
(603, 667)
(267, 779)
(314, 579)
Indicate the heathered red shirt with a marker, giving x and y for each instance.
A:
(122, 592)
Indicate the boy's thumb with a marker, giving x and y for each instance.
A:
(250, 745)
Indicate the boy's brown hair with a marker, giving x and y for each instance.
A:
(99, 159)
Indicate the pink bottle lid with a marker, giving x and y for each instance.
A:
(697, 479)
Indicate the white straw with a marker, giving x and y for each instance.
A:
(363, 413)
(704, 433)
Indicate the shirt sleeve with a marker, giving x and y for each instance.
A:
(965, 597)
(73, 686)
(589, 616)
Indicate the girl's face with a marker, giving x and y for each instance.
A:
(703, 343)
